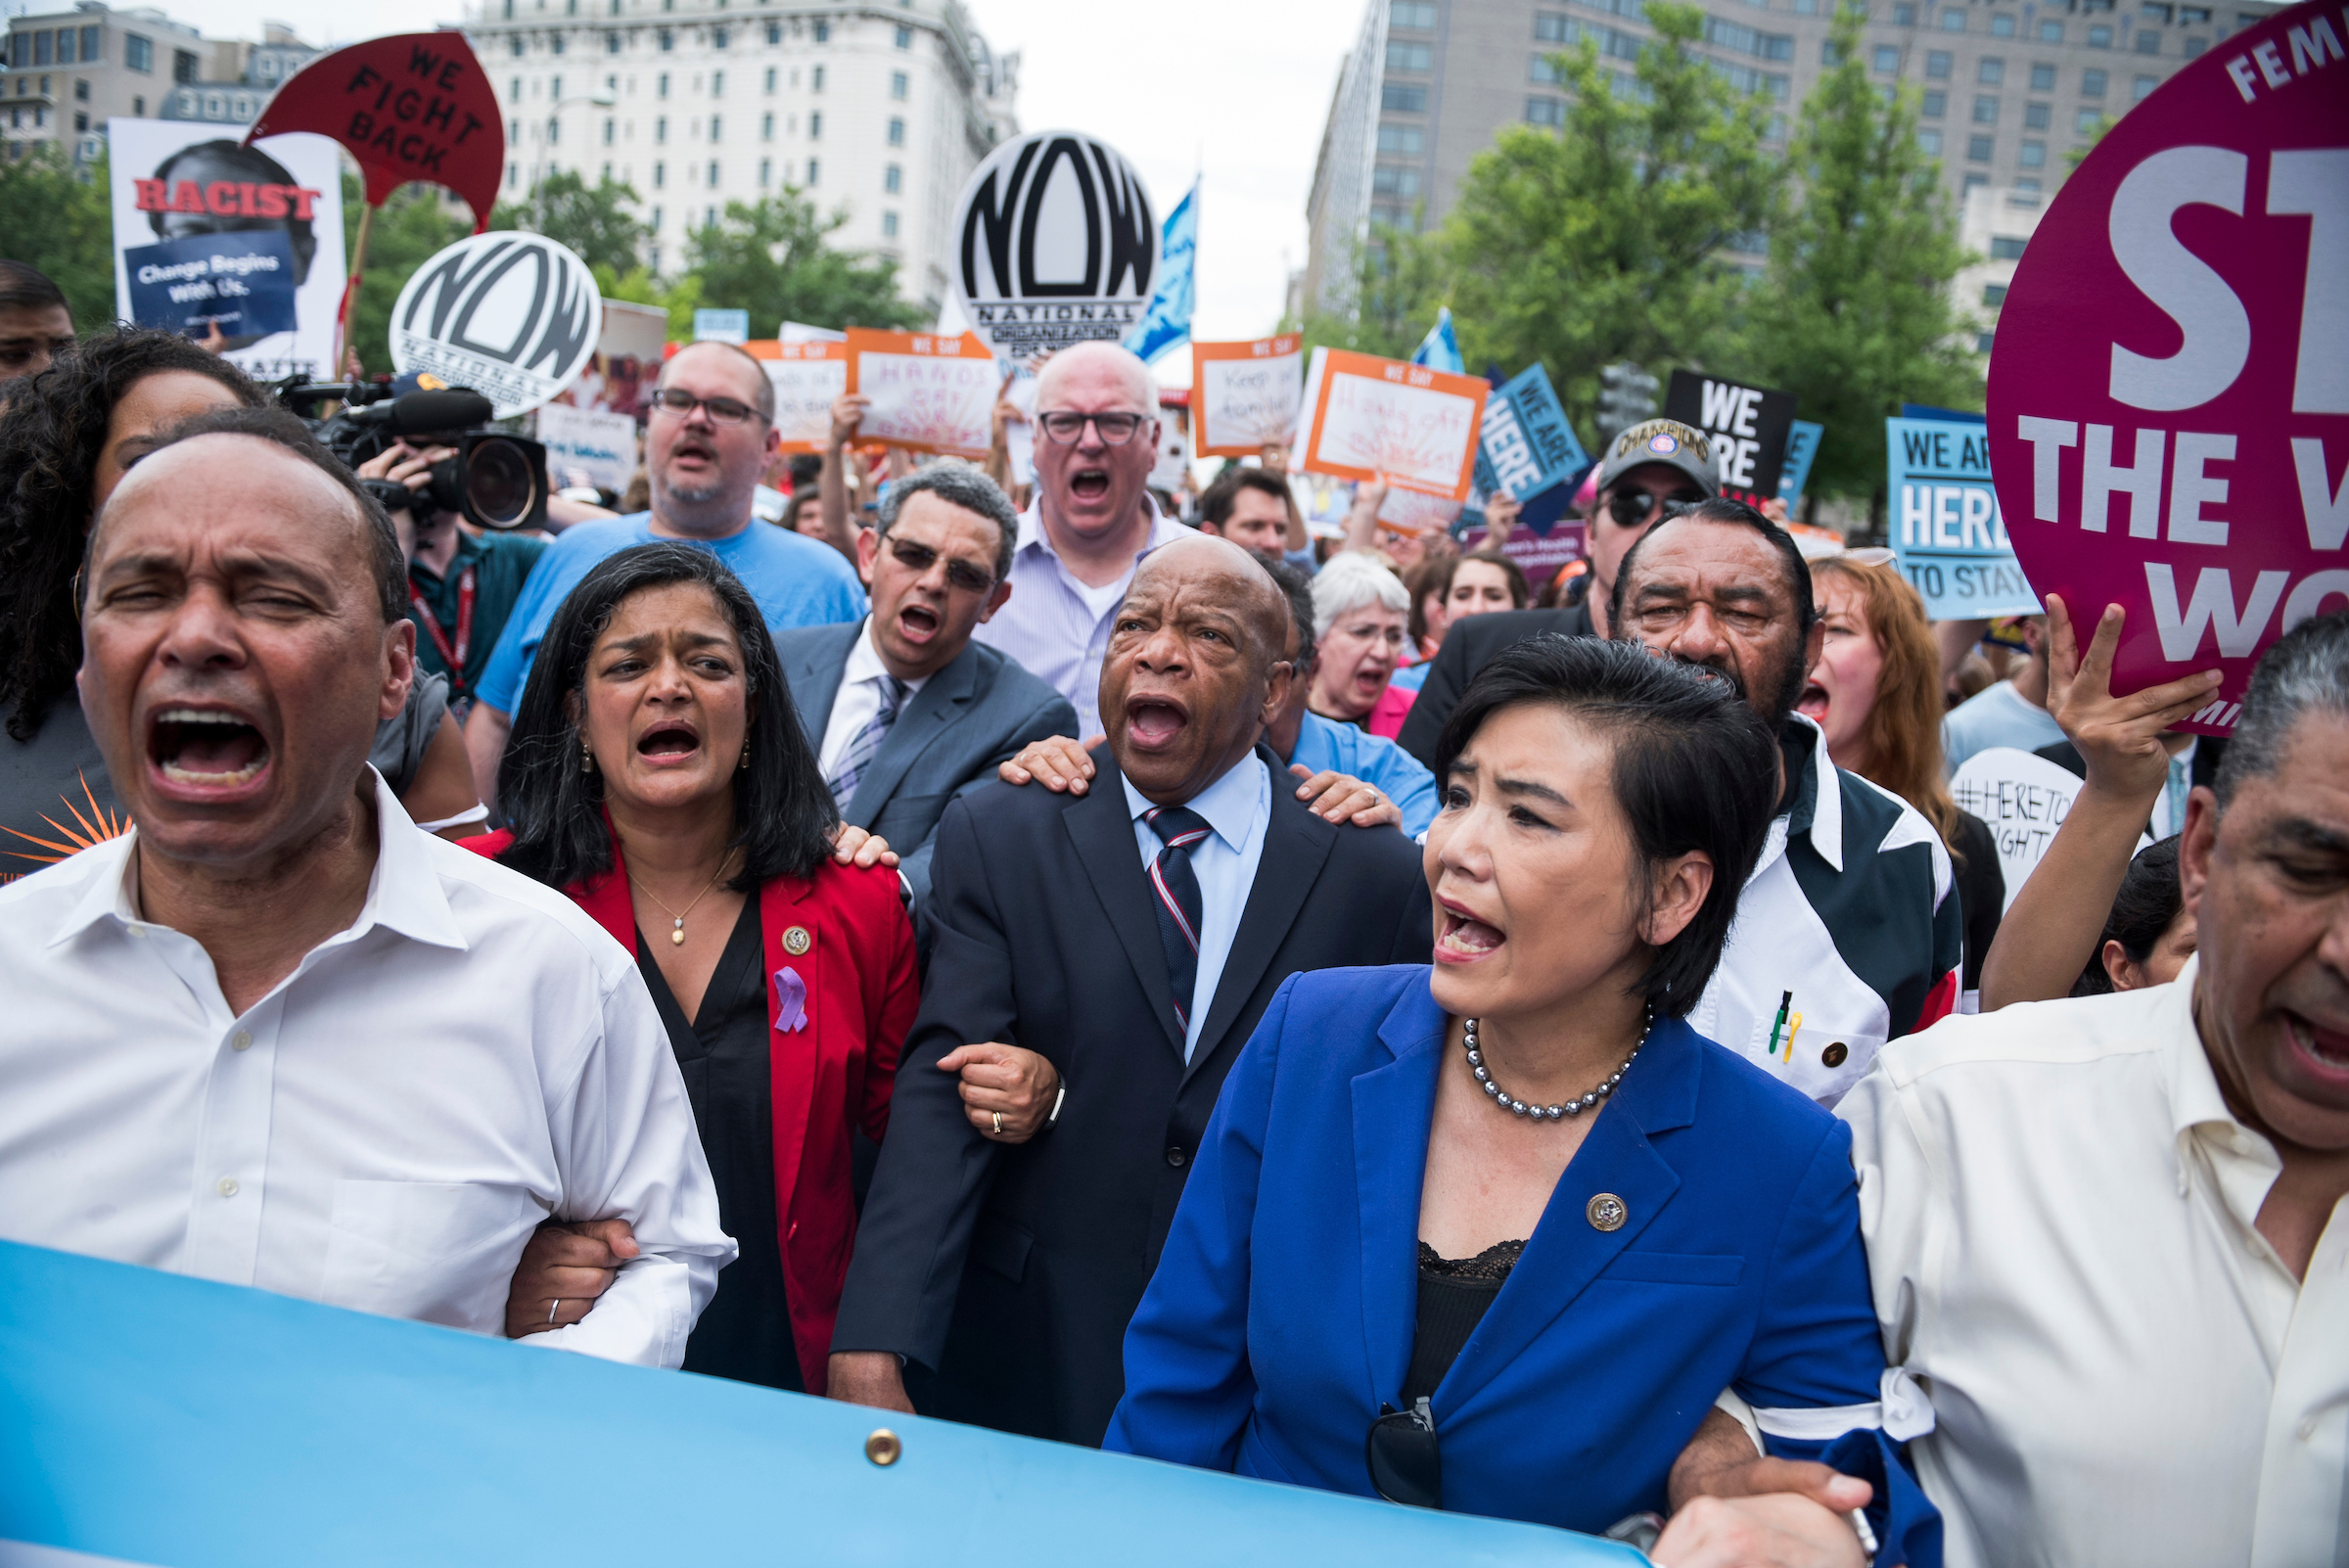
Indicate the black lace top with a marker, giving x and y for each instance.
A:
(1454, 1296)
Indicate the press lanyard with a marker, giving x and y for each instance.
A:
(453, 658)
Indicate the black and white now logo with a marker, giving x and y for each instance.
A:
(1055, 244)
(512, 315)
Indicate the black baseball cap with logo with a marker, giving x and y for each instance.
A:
(1662, 440)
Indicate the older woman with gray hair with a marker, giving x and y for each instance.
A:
(1361, 613)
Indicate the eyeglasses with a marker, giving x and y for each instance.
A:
(722, 410)
(918, 559)
(1115, 429)
(1631, 508)
(1405, 1465)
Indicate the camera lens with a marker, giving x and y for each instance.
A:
(500, 486)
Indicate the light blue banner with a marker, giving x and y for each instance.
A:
(1440, 349)
(1945, 522)
(1167, 323)
(185, 1424)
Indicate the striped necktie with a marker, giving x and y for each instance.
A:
(865, 744)
(1175, 888)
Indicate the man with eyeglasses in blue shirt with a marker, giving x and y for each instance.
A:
(709, 438)
(1092, 521)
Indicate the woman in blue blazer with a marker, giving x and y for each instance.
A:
(1512, 1212)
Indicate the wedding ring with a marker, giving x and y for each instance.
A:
(998, 1116)
(553, 1308)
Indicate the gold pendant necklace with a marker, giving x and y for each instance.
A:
(677, 935)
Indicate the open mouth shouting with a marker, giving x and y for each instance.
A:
(1815, 704)
(1089, 485)
(2326, 1051)
(205, 749)
(917, 623)
(1461, 938)
(1155, 723)
(669, 743)
(693, 452)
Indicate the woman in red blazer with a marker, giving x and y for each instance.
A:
(657, 773)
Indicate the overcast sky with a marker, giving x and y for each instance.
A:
(1232, 90)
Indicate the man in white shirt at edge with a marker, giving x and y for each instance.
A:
(2110, 1234)
(275, 1037)
(1091, 524)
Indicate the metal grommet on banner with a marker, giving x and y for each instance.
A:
(883, 1448)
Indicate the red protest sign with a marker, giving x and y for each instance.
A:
(2169, 390)
(412, 107)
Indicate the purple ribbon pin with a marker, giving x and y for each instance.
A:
(791, 1001)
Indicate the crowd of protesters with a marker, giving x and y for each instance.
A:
(1061, 969)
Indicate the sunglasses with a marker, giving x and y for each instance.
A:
(1631, 508)
(722, 410)
(1115, 429)
(918, 559)
(1404, 1463)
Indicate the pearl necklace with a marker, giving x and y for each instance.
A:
(1556, 1113)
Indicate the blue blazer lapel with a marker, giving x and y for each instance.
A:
(1393, 1108)
(1103, 834)
(1566, 1251)
(813, 672)
(943, 698)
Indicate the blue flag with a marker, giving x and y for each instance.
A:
(1440, 349)
(1167, 323)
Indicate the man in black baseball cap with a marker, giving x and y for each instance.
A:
(1654, 465)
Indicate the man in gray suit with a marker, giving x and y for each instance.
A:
(904, 710)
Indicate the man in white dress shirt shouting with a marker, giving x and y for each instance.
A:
(276, 1036)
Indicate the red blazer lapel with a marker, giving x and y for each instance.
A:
(794, 1060)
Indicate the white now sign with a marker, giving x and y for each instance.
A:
(1055, 244)
(512, 315)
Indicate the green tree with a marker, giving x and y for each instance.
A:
(1854, 314)
(770, 257)
(58, 219)
(1398, 282)
(1604, 242)
(594, 222)
(417, 221)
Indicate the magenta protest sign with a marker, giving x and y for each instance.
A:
(2169, 391)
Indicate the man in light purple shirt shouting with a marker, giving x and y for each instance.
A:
(1096, 416)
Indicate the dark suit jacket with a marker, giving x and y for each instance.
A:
(1466, 646)
(978, 712)
(1012, 1271)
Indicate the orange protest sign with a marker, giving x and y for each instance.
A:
(1382, 419)
(928, 392)
(1245, 394)
(807, 377)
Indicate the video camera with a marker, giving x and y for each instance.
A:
(496, 480)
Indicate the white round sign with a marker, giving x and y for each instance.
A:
(511, 314)
(1054, 244)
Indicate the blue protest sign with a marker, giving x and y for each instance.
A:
(1802, 445)
(1947, 529)
(722, 326)
(370, 1443)
(1527, 447)
(241, 281)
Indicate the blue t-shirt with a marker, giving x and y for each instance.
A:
(797, 581)
(1326, 744)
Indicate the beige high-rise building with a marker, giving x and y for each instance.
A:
(878, 110)
(2008, 88)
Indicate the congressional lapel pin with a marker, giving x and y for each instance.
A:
(1606, 1212)
(797, 942)
(791, 997)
